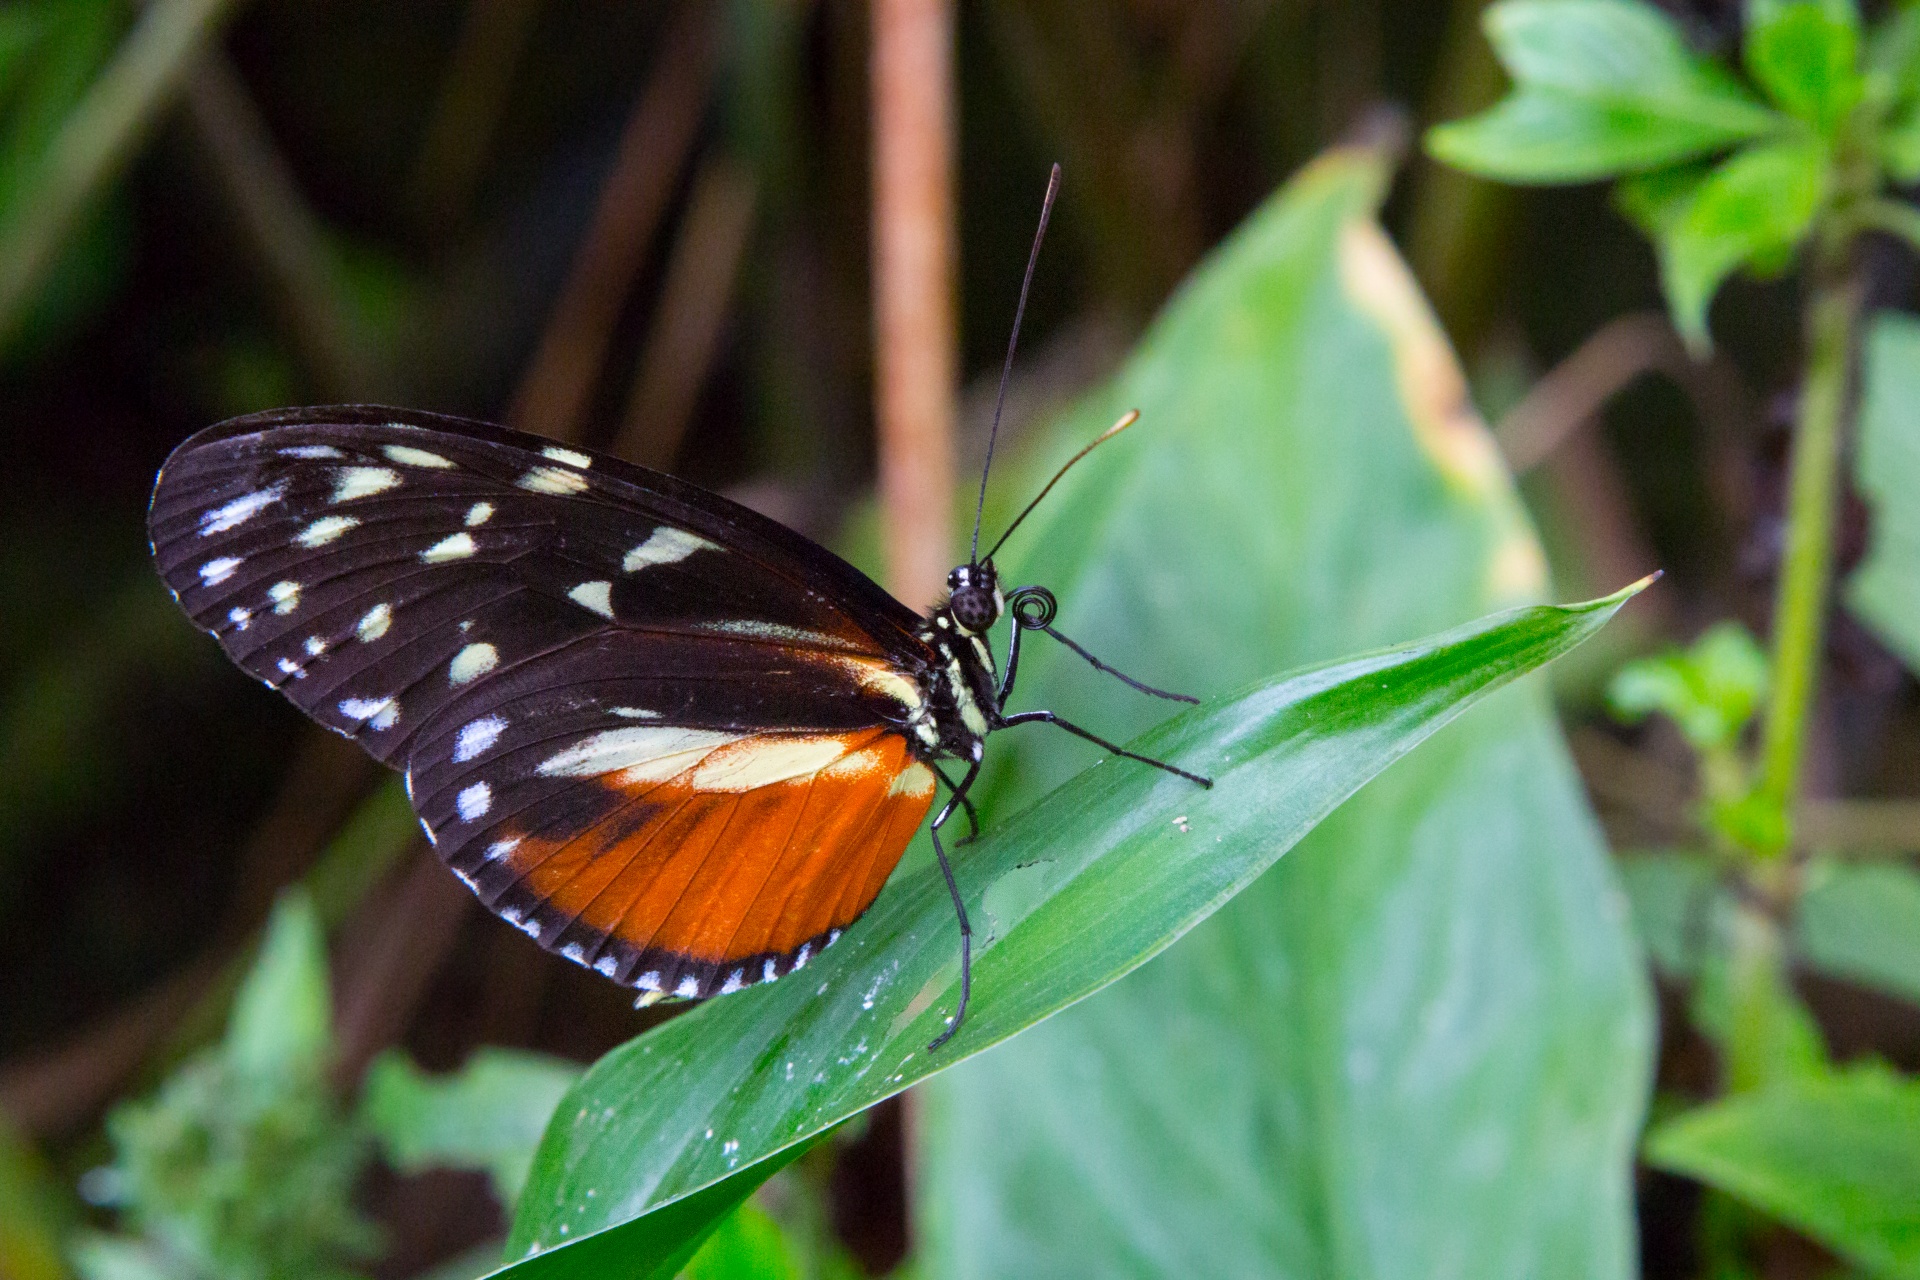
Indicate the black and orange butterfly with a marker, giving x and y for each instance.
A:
(664, 736)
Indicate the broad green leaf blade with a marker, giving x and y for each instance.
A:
(1806, 55)
(1418, 1046)
(1753, 210)
(282, 1021)
(748, 1245)
(1884, 592)
(488, 1115)
(1861, 922)
(1078, 890)
(1837, 1158)
(1673, 894)
(1601, 87)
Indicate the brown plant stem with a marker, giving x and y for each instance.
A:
(913, 288)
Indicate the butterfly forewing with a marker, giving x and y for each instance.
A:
(658, 732)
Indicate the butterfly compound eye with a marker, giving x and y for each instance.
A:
(974, 608)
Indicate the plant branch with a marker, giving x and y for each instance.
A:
(1799, 619)
(95, 141)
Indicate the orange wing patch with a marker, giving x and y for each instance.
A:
(719, 860)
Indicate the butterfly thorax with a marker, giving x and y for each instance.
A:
(959, 684)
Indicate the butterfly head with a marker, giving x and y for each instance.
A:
(975, 600)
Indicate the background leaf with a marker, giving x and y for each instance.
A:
(282, 1019)
(1838, 1158)
(1806, 55)
(1419, 1047)
(1884, 592)
(1602, 87)
(1861, 922)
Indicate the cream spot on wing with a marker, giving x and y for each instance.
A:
(878, 677)
(477, 736)
(633, 713)
(472, 662)
(474, 801)
(637, 755)
(914, 780)
(240, 618)
(597, 596)
(214, 572)
(324, 530)
(363, 482)
(374, 623)
(457, 547)
(666, 546)
(409, 456)
(781, 634)
(310, 452)
(378, 713)
(567, 456)
(242, 509)
(478, 514)
(285, 596)
(764, 761)
(315, 646)
(554, 480)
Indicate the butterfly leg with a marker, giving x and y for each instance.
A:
(1048, 717)
(959, 907)
(973, 818)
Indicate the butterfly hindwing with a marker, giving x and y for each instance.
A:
(658, 732)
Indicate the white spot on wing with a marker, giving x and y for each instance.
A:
(638, 755)
(291, 668)
(666, 546)
(409, 456)
(734, 982)
(767, 972)
(478, 514)
(554, 480)
(378, 713)
(501, 848)
(472, 662)
(574, 952)
(311, 452)
(474, 801)
(214, 572)
(477, 736)
(606, 966)
(800, 960)
(374, 623)
(242, 509)
(774, 631)
(240, 618)
(363, 482)
(315, 646)
(453, 548)
(633, 713)
(648, 981)
(688, 988)
(285, 596)
(324, 530)
(597, 596)
(567, 456)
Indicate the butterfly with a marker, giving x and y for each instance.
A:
(666, 737)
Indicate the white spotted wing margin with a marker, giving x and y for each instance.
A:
(466, 602)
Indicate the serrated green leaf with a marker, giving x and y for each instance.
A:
(1884, 592)
(1602, 87)
(488, 1115)
(1836, 1158)
(1861, 922)
(282, 1019)
(1806, 55)
(1076, 892)
(1756, 206)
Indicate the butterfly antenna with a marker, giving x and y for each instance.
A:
(1006, 370)
(1128, 419)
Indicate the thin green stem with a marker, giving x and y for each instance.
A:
(96, 139)
(1800, 607)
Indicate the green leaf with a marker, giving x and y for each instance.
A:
(1754, 209)
(1836, 1158)
(489, 1115)
(282, 1018)
(1672, 896)
(1884, 592)
(1893, 57)
(1861, 922)
(1806, 55)
(1711, 690)
(1602, 87)
(1072, 894)
(1316, 1080)
(747, 1246)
